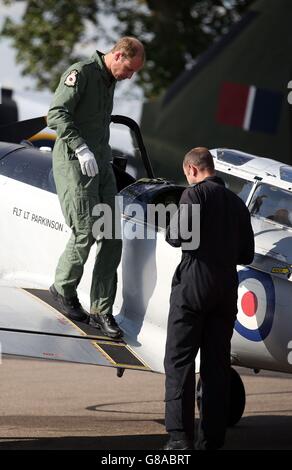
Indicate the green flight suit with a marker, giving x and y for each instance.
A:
(80, 113)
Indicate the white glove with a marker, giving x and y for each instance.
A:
(87, 161)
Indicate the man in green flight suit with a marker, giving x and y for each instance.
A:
(80, 114)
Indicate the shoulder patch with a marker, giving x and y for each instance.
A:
(71, 79)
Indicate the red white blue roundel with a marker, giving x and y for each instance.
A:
(256, 304)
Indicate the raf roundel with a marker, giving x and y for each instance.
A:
(71, 79)
(256, 304)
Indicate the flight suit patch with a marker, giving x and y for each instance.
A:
(71, 79)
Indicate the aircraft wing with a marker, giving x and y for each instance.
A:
(31, 325)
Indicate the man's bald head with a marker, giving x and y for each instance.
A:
(199, 157)
(198, 164)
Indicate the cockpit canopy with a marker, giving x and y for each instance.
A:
(272, 203)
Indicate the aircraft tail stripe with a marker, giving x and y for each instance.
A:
(266, 111)
(232, 104)
(249, 107)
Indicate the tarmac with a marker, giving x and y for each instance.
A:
(49, 405)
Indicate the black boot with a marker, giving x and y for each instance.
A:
(70, 307)
(107, 324)
(181, 444)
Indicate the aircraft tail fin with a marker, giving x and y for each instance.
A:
(234, 96)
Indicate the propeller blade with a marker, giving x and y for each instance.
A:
(21, 130)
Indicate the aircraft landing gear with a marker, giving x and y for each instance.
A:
(237, 398)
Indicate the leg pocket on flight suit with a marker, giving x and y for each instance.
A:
(78, 194)
(84, 203)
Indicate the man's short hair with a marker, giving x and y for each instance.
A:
(131, 47)
(200, 157)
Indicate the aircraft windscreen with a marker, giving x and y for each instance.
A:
(286, 173)
(237, 185)
(235, 158)
(273, 204)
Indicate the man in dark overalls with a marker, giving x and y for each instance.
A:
(203, 306)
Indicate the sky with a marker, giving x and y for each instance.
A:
(32, 103)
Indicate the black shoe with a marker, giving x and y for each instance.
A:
(107, 324)
(70, 307)
(182, 444)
